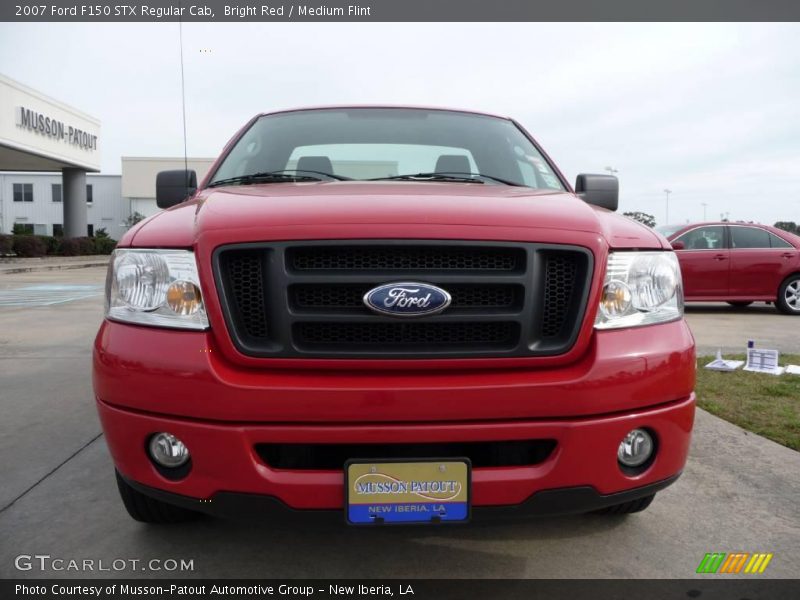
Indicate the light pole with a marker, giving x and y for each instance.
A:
(667, 192)
(705, 204)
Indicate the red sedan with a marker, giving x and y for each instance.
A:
(739, 263)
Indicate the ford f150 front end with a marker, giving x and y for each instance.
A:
(406, 315)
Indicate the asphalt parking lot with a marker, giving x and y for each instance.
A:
(718, 325)
(739, 492)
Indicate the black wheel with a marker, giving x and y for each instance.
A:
(788, 301)
(149, 510)
(627, 508)
(739, 304)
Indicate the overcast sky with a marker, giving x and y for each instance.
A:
(710, 111)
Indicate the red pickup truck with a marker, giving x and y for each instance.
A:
(403, 314)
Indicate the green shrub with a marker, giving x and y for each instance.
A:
(29, 246)
(104, 245)
(70, 247)
(52, 244)
(6, 244)
(79, 246)
(22, 229)
(134, 219)
(86, 245)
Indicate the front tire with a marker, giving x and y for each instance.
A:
(788, 301)
(627, 508)
(149, 510)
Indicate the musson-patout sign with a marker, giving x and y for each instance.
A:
(47, 126)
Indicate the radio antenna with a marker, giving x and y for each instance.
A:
(183, 100)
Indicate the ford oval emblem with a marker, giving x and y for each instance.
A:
(407, 299)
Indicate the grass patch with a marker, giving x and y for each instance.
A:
(768, 405)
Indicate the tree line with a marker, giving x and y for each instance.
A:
(650, 221)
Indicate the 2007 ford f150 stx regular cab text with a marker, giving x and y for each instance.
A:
(404, 314)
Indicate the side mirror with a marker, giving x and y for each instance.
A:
(600, 190)
(173, 187)
(678, 245)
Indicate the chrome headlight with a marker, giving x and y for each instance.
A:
(640, 288)
(155, 287)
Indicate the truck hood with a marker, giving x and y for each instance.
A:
(365, 209)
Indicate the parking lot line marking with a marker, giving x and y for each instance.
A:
(47, 295)
(53, 470)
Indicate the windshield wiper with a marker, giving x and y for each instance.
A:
(323, 173)
(448, 176)
(281, 176)
(265, 177)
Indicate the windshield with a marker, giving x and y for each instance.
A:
(380, 143)
(668, 230)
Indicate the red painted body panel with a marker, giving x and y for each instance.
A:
(173, 373)
(273, 211)
(706, 272)
(759, 271)
(167, 382)
(744, 274)
(224, 459)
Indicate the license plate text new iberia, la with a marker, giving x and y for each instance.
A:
(421, 491)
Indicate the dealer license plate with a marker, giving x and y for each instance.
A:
(417, 491)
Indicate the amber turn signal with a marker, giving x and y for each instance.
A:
(183, 297)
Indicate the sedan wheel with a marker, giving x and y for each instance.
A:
(789, 296)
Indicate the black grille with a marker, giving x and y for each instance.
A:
(305, 299)
(471, 296)
(406, 334)
(245, 281)
(330, 457)
(399, 258)
(560, 272)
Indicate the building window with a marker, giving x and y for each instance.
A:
(58, 230)
(23, 228)
(23, 192)
(89, 198)
(57, 192)
(90, 230)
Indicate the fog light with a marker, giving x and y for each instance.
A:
(167, 450)
(635, 448)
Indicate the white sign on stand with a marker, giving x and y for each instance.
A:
(762, 360)
(720, 364)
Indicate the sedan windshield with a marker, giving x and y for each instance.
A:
(668, 230)
(386, 144)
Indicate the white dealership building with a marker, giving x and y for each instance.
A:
(34, 203)
(41, 134)
(139, 178)
(49, 163)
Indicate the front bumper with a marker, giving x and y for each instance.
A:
(564, 501)
(148, 380)
(224, 458)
